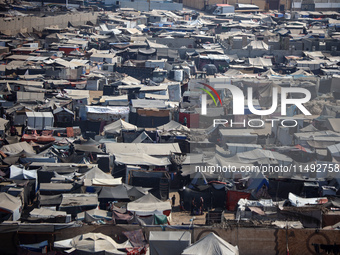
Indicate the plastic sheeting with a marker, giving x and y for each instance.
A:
(18, 173)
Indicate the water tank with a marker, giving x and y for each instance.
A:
(178, 75)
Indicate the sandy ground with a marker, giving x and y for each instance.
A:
(183, 217)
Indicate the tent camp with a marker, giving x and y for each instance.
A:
(10, 206)
(92, 243)
(168, 242)
(211, 245)
(118, 126)
(149, 205)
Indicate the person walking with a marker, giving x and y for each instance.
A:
(173, 199)
(201, 205)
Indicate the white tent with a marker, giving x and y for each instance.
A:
(300, 201)
(117, 126)
(148, 205)
(211, 245)
(92, 243)
(141, 159)
(173, 126)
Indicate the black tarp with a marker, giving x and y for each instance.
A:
(280, 189)
(186, 195)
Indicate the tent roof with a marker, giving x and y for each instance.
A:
(141, 159)
(148, 204)
(9, 202)
(153, 149)
(309, 128)
(172, 125)
(96, 173)
(18, 148)
(95, 242)
(117, 126)
(211, 245)
(118, 192)
(73, 200)
(95, 213)
(333, 124)
(3, 123)
(46, 213)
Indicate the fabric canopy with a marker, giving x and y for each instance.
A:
(17, 148)
(117, 126)
(211, 245)
(92, 242)
(96, 173)
(45, 213)
(118, 192)
(173, 125)
(141, 159)
(11, 204)
(148, 205)
(18, 173)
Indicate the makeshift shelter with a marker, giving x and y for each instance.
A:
(94, 215)
(168, 242)
(300, 201)
(92, 243)
(149, 205)
(121, 215)
(18, 148)
(52, 200)
(155, 149)
(110, 194)
(95, 176)
(76, 203)
(40, 120)
(118, 126)
(55, 188)
(173, 125)
(258, 184)
(141, 159)
(45, 213)
(211, 245)
(143, 138)
(10, 207)
(22, 174)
